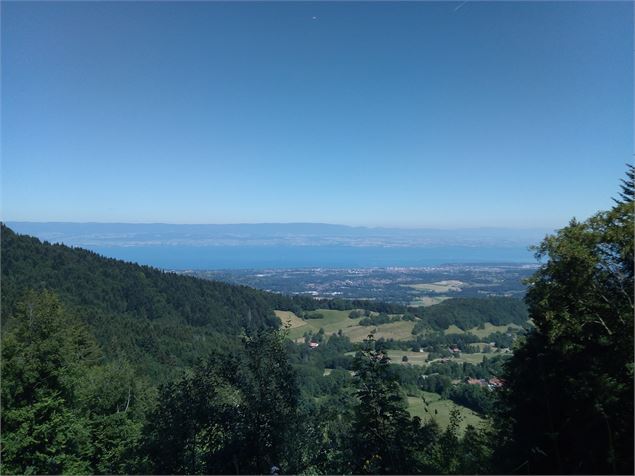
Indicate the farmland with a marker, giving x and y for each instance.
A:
(414, 358)
(437, 408)
(439, 286)
(483, 331)
(453, 329)
(426, 301)
(474, 358)
(333, 320)
(490, 328)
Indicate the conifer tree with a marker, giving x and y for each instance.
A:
(627, 195)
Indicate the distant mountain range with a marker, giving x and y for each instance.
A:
(271, 234)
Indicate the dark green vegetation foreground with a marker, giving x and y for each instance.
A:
(109, 367)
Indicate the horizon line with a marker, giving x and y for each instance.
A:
(422, 228)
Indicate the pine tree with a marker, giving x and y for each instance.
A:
(45, 352)
(627, 195)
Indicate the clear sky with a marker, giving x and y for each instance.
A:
(428, 114)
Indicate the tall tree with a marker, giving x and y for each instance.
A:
(63, 410)
(386, 440)
(628, 186)
(44, 353)
(273, 393)
(232, 414)
(568, 400)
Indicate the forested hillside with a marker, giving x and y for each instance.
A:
(113, 368)
(157, 319)
(466, 313)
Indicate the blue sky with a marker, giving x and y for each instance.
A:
(437, 114)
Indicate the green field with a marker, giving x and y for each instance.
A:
(334, 320)
(331, 322)
(438, 287)
(489, 328)
(453, 330)
(482, 345)
(419, 358)
(481, 333)
(427, 301)
(416, 407)
(475, 358)
(414, 358)
(289, 318)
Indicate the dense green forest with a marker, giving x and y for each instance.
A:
(161, 321)
(466, 313)
(114, 368)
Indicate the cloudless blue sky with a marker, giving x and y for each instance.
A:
(431, 114)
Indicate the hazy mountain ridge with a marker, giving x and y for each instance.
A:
(271, 234)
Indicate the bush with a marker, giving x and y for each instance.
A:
(314, 315)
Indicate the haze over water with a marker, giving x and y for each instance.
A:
(290, 245)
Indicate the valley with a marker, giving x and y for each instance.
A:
(417, 350)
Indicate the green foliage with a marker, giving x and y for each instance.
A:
(196, 420)
(568, 401)
(475, 452)
(384, 438)
(232, 414)
(66, 409)
(324, 434)
(445, 454)
(473, 397)
(627, 195)
(500, 339)
(95, 283)
(54, 418)
(467, 313)
(435, 383)
(378, 319)
(163, 322)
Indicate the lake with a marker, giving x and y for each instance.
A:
(228, 257)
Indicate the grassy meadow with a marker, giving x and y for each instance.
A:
(490, 328)
(427, 301)
(334, 320)
(437, 287)
(438, 408)
(414, 358)
(481, 333)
